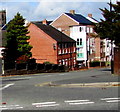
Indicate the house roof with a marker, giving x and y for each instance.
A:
(54, 33)
(79, 18)
(48, 22)
(92, 19)
(4, 27)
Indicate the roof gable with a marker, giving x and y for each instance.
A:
(54, 33)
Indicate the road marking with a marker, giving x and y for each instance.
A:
(110, 98)
(45, 104)
(19, 107)
(80, 103)
(69, 101)
(15, 105)
(6, 107)
(8, 85)
(113, 101)
(2, 106)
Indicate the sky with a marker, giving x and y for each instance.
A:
(38, 10)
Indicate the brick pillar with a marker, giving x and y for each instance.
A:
(117, 61)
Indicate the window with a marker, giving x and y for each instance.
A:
(87, 28)
(91, 30)
(63, 62)
(80, 29)
(80, 41)
(59, 52)
(80, 55)
(77, 41)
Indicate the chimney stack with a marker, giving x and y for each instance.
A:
(72, 11)
(90, 15)
(44, 22)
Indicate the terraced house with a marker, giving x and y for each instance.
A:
(49, 44)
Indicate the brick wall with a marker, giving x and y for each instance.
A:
(64, 23)
(117, 61)
(43, 48)
(42, 45)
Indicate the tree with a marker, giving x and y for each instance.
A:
(17, 44)
(110, 26)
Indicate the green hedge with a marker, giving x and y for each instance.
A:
(97, 63)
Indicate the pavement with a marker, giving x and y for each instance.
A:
(95, 77)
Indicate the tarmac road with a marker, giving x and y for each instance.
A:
(26, 92)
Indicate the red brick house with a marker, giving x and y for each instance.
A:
(49, 44)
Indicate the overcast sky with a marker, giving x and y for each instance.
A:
(37, 10)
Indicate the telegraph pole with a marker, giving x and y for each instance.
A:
(112, 64)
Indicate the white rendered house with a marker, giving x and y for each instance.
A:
(78, 33)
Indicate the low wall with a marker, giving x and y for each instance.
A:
(24, 68)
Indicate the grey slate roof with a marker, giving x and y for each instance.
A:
(54, 33)
(79, 18)
(48, 22)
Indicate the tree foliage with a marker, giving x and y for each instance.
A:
(110, 26)
(17, 43)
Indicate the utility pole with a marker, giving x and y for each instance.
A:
(112, 64)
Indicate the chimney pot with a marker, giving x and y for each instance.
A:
(90, 15)
(72, 11)
(44, 22)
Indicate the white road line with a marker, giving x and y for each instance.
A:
(47, 105)
(69, 101)
(6, 86)
(81, 103)
(14, 105)
(113, 101)
(4, 108)
(43, 103)
(110, 98)
(19, 107)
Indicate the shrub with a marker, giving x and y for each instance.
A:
(47, 62)
(94, 63)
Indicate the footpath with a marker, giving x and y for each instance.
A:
(97, 77)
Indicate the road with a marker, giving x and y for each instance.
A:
(34, 92)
